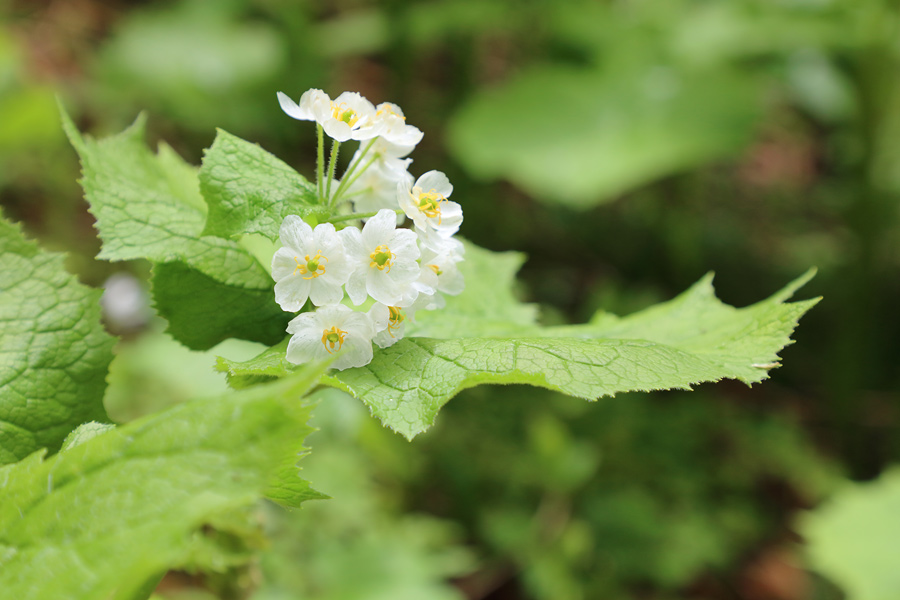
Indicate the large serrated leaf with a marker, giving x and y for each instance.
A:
(249, 190)
(100, 519)
(55, 352)
(689, 340)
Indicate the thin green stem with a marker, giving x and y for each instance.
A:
(346, 181)
(349, 182)
(320, 163)
(332, 165)
(353, 216)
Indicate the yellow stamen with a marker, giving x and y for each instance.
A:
(387, 109)
(311, 265)
(344, 113)
(435, 268)
(333, 336)
(395, 320)
(429, 203)
(381, 258)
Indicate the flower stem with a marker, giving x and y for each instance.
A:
(349, 182)
(346, 181)
(332, 165)
(353, 216)
(320, 162)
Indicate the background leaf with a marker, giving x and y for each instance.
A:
(55, 351)
(583, 136)
(852, 538)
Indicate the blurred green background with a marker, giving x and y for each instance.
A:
(627, 147)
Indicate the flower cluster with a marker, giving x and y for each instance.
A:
(359, 285)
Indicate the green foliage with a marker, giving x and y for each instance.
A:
(608, 500)
(852, 538)
(55, 351)
(202, 63)
(249, 190)
(689, 340)
(203, 312)
(149, 206)
(118, 510)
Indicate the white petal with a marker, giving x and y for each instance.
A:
(295, 233)
(380, 315)
(311, 99)
(283, 264)
(323, 292)
(381, 287)
(292, 108)
(451, 219)
(355, 352)
(378, 229)
(356, 286)
(291, 293)
(337, 130)
(437, 181)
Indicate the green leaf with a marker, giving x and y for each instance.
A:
(852, 539)
(249, 190)
(55, 351)
(268, 365)
(203, 312)
(689, 340)
(104, 517)
(149, 206)
(603, 133)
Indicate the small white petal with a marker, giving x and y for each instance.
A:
(437, 181)
(291, 293)
(294, 232)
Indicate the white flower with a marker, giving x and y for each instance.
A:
(304, 110)
(389, 323)
(383, 259)
(427, 205)
(394, 128)
(449, 279)
(349, 116)
(331, 330)
(312, 264)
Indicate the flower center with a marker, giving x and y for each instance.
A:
(396, 319)
(313, 265)
(436, 269)
(429, 204)
(381, 258)
(333, 336)
(344, 113)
